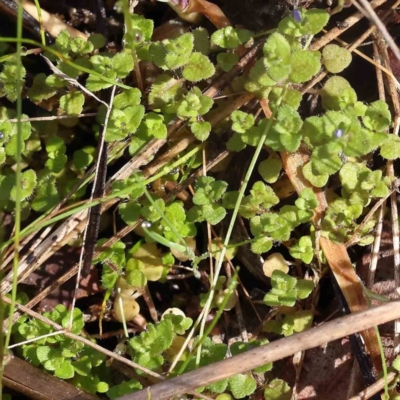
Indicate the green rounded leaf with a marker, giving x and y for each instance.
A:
(201, 41)
(65, 370)
(226, 61)
(335, 58)
(391, 149)
(198, 68)
(270, 168)
(40, 90)
(72, 103)
(28, 185)
(241, 121)
(314, 21)
(317, 180)
(130, 212)
(305, 64)
(201, 130)
(242, 385)
(277, 389)
(277, 50)
(230, 38)
(122, 64)
(377, 116)
(337, 94)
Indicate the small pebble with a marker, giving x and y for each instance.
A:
(146, 224)
(296, 15)
(1, 135)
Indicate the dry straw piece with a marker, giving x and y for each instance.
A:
(271, 352)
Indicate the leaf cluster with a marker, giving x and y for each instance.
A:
(64, 357)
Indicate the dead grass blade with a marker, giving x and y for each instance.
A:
(271, 352)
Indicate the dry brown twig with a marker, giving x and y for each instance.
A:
(51, 23)
(375, 387)
(390, 172)
(271, 352)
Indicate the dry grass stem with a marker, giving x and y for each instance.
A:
(271, 352)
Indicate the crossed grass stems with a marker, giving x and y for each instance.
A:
(46, 244)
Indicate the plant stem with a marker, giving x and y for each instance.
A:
(18, 175)
(232, 223)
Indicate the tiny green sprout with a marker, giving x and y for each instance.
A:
(312, 21)
(153, 211)
(83, 157)
(10, 131)
(114, 255)
(286, 290)
(242, 385)
(207, 198)
(241, 121)
(8, 84)
(285, 133)
(303, 250)
(140, 30)
(56, 149)
(98, 40)
(147, 348)
(335, 58)
(325, 159)
(340, 219)
(277, 226)
(121, 122)
(63, 42)
(180, 322)
(193, 104)
(46, 194)
(337, 94)
(260, 199)
(118, 66)
(377, 116)
(230, 38)
(277, 51)
(153, 125)
(287, 96)
(176, 222)
(277, 389)
(80, 46)
(171, 54)
(64, 357)
(292, 322)
(359, 183)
